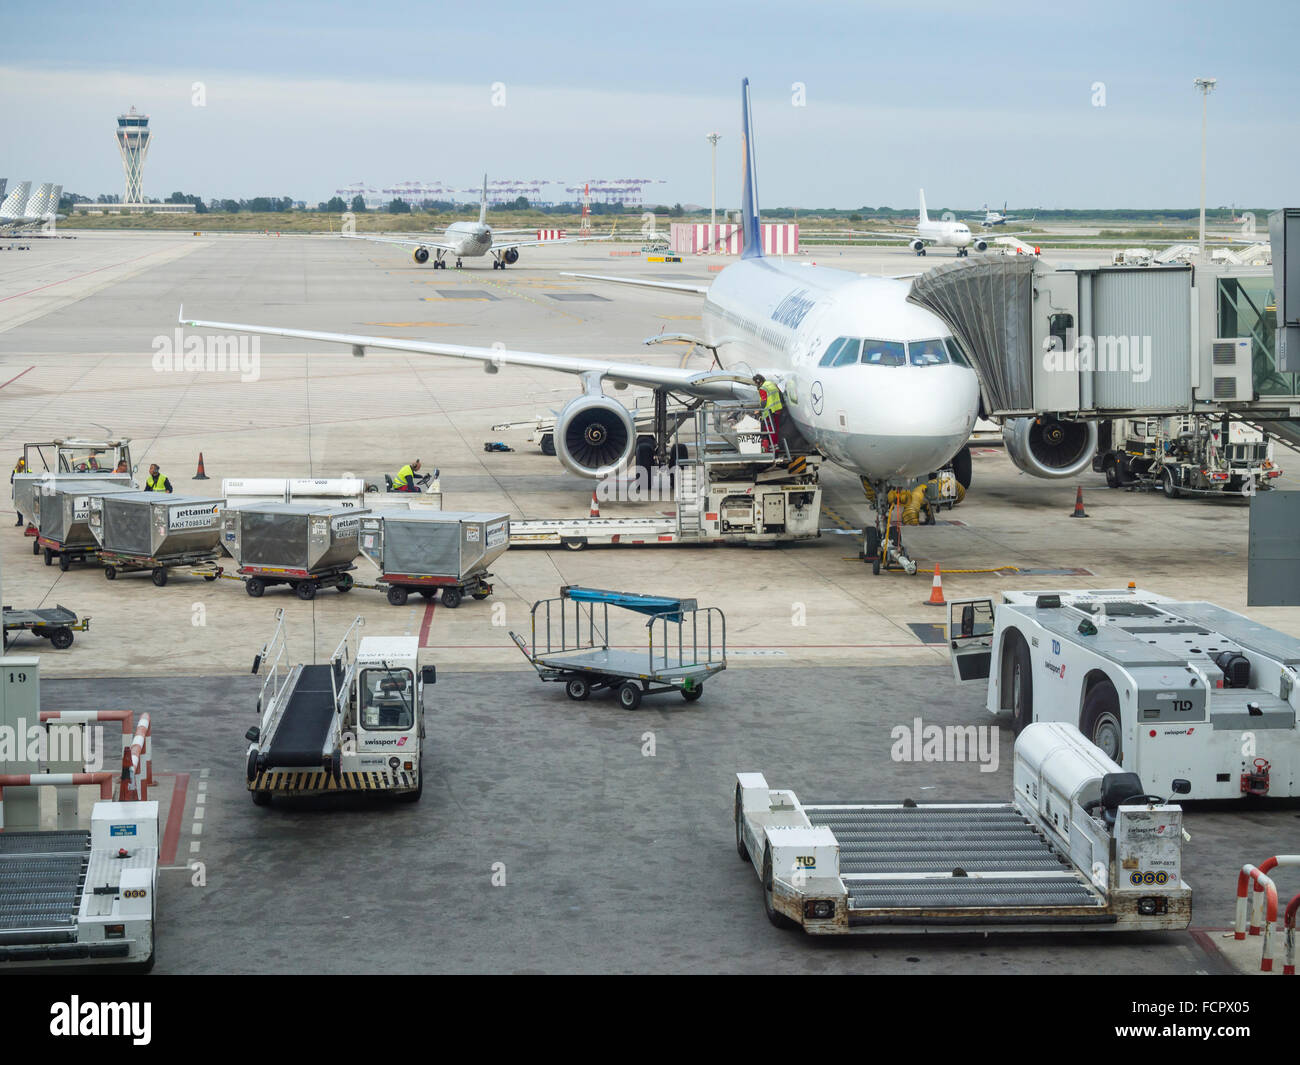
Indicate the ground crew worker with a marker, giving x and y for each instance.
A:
(20, 468)
(770, 396)
(156, 482)
(121, 467)
(405, 479)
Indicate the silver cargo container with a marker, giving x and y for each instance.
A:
(443, 543)
(63, 509)
(26, 485)
(156, 525)
(291, 538)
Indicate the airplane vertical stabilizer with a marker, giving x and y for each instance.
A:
(925, 217)
(482, 203)
(16, 201)
(37, 205)
(751, 234)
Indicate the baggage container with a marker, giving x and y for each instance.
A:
(155, 531)
(307, 547)
(435, 551)
(26, 485)
(63, 518)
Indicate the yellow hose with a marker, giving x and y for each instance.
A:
(868, 491)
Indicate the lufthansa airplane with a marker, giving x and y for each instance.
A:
(469, 240)
(875, 382)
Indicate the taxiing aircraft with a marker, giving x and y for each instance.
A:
(469, 240)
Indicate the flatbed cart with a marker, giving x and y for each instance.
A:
(204, 566)
(305, 583)
(574, 646)
(56, 625)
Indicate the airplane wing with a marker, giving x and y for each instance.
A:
(712, 384)
(407, 241)
(671, 286)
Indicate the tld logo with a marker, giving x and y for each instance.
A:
(1056, 647)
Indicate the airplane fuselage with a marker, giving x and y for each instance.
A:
(470, 239)
(898, 418)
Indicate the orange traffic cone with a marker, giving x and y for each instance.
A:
(936, 590)
(200, 476)
(1079, 512)
(595, 507)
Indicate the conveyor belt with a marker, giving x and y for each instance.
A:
(995, 840)
(305, 722)
(41, 878)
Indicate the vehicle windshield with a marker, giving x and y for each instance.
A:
(387, 699)
(88, 460)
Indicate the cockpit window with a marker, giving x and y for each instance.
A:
(955, 350)
(883, 353)
(848, 353)
(833, 350)
(927, 353)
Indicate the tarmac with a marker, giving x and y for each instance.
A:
(614, 860)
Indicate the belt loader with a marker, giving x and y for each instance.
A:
(352, 724)
(1079, 848)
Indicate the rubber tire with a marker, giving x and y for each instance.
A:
(547, 444)
(1167, 484)
(1020, 660)
(210, 576)
(36, 547)
(778, 919)
(49, 557)
(65, 563)
(429, 593)
(481, 593)
(261, 798)
(629, 695)
(451, 598)
(61, 638)
(346, 583)
(577, 688)
(961, 467)
(1113, 478)
(110, 573)
(871, 544)
(693, 694)
(159, 576)
(306, 591)
(397, 595)
(1101, 711)
(576, 543)
(741, 849)
(255, 587)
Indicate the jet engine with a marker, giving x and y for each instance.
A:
(510, 256)
(980, 244)
(916, 245)
(1050, 447)
(594, 436)
(420, 255)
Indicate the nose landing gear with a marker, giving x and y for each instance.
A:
(882, 545)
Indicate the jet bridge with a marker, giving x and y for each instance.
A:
(1057, 349)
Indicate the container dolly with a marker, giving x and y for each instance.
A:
(574, 647)
(56, 625)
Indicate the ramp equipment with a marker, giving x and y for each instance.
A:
(56, 625)
(1078, 848)
(304, 545)
(139, 531)
(354, 723)
(687, 645)
(63, 517)
(434, 552)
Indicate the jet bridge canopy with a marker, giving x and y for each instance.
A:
(987, 302)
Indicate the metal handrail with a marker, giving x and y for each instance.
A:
(274, 651)
(343, 662)
(681, 619)
(578, 609)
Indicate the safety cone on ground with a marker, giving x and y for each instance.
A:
(1079, 512)
(595, 507)
(936, 590)
(200, 476)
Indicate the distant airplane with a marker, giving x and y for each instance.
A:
(469, 240)
(945, 233)
(999, 218)
(20, 210)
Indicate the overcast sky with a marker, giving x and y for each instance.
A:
(1085, 105)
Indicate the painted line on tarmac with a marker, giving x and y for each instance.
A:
(16, 376)
(110, 266)
(424, 625)
(172, 833)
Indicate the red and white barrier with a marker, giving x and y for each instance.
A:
(137, 765)
(726, 238)
(27, 780)
(550, 234)
(1264, 911)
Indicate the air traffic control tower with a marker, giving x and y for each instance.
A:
(133, 138)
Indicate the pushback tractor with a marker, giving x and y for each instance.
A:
(352, 724)
(1196, 700)
(1079, 848)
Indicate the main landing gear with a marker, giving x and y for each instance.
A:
(882, 544)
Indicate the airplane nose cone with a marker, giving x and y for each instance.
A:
(924, 420)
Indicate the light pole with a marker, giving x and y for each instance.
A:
(1205, 86)
(713, 139)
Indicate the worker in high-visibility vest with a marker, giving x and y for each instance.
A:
(20, 468)
(769, 395)
(156, 482)
(405, 479)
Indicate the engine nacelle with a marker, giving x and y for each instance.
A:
(916, 245)
(420, 255)
(510, 256)
(594, 436)
(980, 244)
(1050, 447)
